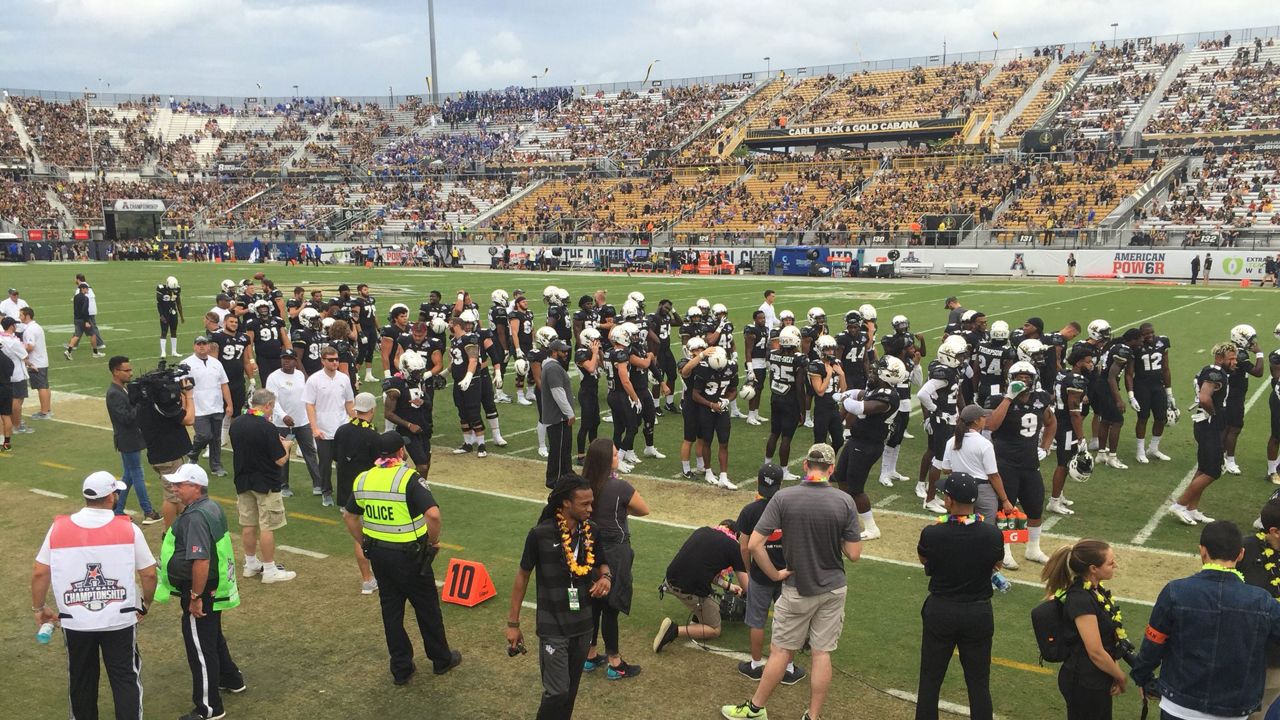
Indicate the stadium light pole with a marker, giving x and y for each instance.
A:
(535, 82)
(1113, 33)
(431, 31)
(768, 65)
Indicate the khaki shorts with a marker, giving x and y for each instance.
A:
(261, 510)
(706, 610)
(168, 469)
(818, 618)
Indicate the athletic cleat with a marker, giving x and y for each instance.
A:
(687, 474)
(543, 452)
(604, 418)
(726, 483)
(935, 506)
(743, 712)
(667, 633)
(502, 398)
(922, 490)
(872, 534)
(808, 422)
(711, 479)
(1274, 478)
(632, 457)
(1199, 516)
(1231, 467)
(1141, 458)
(886, 481)
(908, 436)
(253, 570)
(499, 441)
(899, 477)
(1182, 514)
(624, 466)
(1113, 461)
(480, 451)
(465, 448)
(1154, 453)
(653, 453)
(1063, 499)
(1009, 563)
(657, 411)
(66, 353)
(793, 676)
(1055, 506)
(523, 400)
(788, 476)
(746, 670)
(1036, 556)
(752, 420)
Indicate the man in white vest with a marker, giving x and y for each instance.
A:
(90, 559)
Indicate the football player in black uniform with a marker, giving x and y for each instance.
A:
(874, 412)
(660, 324)
(895, 346)
(1069, 399)
(993, 358)
(246, 296)
(236, 357)
(756, 339)
(542, 340)
(464, 366)
(1023, 426)
(1248, 362)
(854, 344)
(169, 307)
(407, 407)
(557, 313)
(588, 358)
(585, 316)
(643, 362)
(272, 295)
(1096, 342)
(787, 370)
(809, 335)
(1111, 404)
(423, 341)
(266, 332)
(606, 315)
(786, 318)
(500, 349)
(623, 397)
(520, 324)
(397, 325)
(715, 385)
(1273, 404)
(433, 310)
(694, 353)
(693, 326)
(1208, 424)
(488, 395)
(366, 318)
(1055, 342)
(913, 341)
(826, 378)
(293, 306)
(940, 401)
(1150, 391)
(720, 332)
(308, 340)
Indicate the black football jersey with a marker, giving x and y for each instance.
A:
(231, 353)
(853, 356)
(587, 318)
(874, 429)
(1221, 396)
(786, 369)
(413, 404)
(590, 380)
(819, 368)
(524, 331)
(661, 326)
(268, 336)
(1238, 380)
(1018, 436)
(691, 330)
(948, 397)
(714, 384)
(1150, 359)
(558, 318)
(167, 300)
(811, 333)
(613, 357)
(458, 360)
(993, 358)
(368, 317)
(308, 343)
(1069, 383)
(756, 338)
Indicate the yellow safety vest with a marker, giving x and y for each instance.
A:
(380, 495)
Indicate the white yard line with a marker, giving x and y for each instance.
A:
(943, 705)
(1170, 310)
(48, 493)
(1145, 533)
(300, 551)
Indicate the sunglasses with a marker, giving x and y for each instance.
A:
(330, 359)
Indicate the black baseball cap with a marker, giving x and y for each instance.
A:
(962, 488)
(950, 299)
(1036, 323)
(389, 443)
(288, 353)
(222, 297)
(769, 479)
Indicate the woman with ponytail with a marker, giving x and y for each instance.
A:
(1090, 677)
(614, 500)
(971, 453)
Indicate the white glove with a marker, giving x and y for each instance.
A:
(1041, 453)
(1133, 402)
(497, 380)
(724, 404)
(465, 382)
(426, 375)
(386, 374)
(839, 397)
(1199, 415)
(519, 353)
(1016, 388)
(636, 405)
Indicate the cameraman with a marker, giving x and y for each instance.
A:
(164, 408)
(128, 438)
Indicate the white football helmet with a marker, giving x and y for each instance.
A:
(397, 306)
(694, 346)
(469, 316)
(817, 316)
(704, 305)
(630, 310)
(952, 351)
(868, 312)
(171, 282)
(789, 336)
(968, 315)
(588, 336)
(891, 370)
(411, 362)
(1099, 330)
(717, 359)
(1023, 367)
(551, 294)
(637, 298)
(328, 322)
(826, 345)
(439, 326)
(522, 367)
(634, 331)
(544, 337)
(1243, 336)
(1080, 467)
(562, 295)
(786, 315)
(262, 308)
(1031, 351)
(1000, 330)
(719, 310)
(228, 286)
(900, 323)
(747, 392)
(499, 297)
(1277, 331)
(310, 318)
(694, 313)
(620, 335)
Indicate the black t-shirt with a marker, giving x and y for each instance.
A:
(167, 438)
(1077, 602)
(700, 560)
(959, 559)
(544, 553)
(355, 448)
(417, 494)
(747, 519)
(256, 447)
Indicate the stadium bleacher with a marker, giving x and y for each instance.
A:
(1223, 88)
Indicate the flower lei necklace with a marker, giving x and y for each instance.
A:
(361, 423)
(1269, 561)
(258, 412)
(960, 519)
(1221, 568)
(566, 541)
(1103, 596)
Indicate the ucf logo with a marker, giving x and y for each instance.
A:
(95, 591)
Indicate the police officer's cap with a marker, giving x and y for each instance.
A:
(389, 443)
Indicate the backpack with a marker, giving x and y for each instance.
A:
(1049, 623)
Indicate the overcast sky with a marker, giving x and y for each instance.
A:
(360, 47)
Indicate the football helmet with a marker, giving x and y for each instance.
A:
(826, 345)
(544, 337)
(171, 282)
(1243, 336)
(853, 317)
(747, 392)
(439, 326)
(262, 308)
(412, 364)
(588, 336)
(694, 313)
(717, 359)
(327, 323)
(694, 346)
(1031, 351)
(1080, 467)
(891, 370)
(499, 297)
(522, 367)
(1000, 330)
(469, 316)
(719, 310)
(637, 298)
(310, 318)
(630, 310)
(817, 316)
(952, 351)
(704, 305)
(228, 286)
(868, 312)
(551, 294)
(789, 337)
(900, 323)
(619, 335)
(786, 315)
(1099, 330)
(1023, 367)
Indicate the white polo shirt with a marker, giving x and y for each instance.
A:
(9, 308)
(330, 395)
(208, 378)
(222, 314)
(976, 456)
(10, 345)
(288, 388)
(770, 317)
(33, 336)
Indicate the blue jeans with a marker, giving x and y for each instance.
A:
(133, 478)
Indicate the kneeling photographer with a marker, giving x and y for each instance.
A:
(163, 409)
(695, 568)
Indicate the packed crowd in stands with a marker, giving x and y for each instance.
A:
(786, 198)
(24, 204)
(1232, 188)
(1015, 76)
(1223, 88)
(1109, 97)
(419, 155)
(513, 104)
(897, 94)
(1077, 194)
(1067, 66)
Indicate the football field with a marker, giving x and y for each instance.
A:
(314, 648)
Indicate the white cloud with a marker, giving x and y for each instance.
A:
(496, 63)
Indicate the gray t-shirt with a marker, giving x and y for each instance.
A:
(816, 519)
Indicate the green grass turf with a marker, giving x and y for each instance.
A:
(317, 645)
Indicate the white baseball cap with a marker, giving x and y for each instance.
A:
(101, 484)
(189, 473)
(365, 402)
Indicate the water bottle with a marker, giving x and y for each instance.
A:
(999, 582)
(45, 634)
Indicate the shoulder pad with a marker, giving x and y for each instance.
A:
(816, 368)
(1274, 357)
(884, 395)
(938, 371)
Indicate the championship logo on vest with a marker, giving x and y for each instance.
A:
(95, 591)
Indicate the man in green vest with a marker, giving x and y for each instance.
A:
(198, 565)
(392, 514)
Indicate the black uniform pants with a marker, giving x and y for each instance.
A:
(119, 654)
(827, 425)
(208, 657)
(589, 416)
(560, 659)
(949, 625)
(559, 445)
(399, 579)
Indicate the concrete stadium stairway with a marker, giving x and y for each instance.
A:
(1152, 104)
(1032, 91)
(15, 122)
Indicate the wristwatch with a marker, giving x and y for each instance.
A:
(513, 625)
(606, 576)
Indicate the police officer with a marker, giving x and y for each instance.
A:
(91, 559)
(392, 513)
